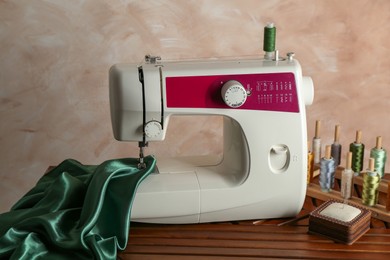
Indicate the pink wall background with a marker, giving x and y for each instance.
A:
(55, 56)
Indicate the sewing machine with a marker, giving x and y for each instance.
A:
(262, 172)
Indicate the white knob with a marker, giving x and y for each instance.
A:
(153, 129)
(233, 93)
(307, 86)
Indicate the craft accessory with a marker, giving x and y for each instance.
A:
(357, 149)
(336, 146)
(310, 164)
(371, 181)
(346, 179)
(317, 143)
(380, 156)
(340, 222)
(327, 170)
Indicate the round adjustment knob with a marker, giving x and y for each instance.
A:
(233, 94)
(153, 129)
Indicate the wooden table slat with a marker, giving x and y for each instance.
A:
(205, 252)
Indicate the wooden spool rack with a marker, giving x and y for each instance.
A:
(378, 211)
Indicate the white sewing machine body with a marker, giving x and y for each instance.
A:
(262, 173)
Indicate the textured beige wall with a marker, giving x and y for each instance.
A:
(55, 56)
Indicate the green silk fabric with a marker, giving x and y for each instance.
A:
(75, 211)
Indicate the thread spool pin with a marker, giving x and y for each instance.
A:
(317, 143)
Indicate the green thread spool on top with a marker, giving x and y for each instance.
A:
(269, 41)
(371, 180)
(380, 156)
(357, 149)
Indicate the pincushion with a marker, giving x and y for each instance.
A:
(340, 222)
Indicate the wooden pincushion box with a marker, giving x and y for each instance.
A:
(340, 222)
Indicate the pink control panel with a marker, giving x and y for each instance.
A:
(269, 92)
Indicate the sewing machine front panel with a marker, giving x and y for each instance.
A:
(268, 91)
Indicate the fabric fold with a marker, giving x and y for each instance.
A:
(74, 211)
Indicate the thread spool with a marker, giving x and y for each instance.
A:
(310, 164)
(346, 178)
(371, 181)
(269, 40)
(317, 143)
(357, 149)
(336, 146)
(380, 156)
(327, 170)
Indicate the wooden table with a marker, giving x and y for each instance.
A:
(275, 238)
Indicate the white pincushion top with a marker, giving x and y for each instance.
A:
(340, 211)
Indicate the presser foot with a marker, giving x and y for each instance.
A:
(141, 163)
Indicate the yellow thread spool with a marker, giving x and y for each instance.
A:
(310, 164)
(371, 181)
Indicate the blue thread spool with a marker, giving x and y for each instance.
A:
(327, 171)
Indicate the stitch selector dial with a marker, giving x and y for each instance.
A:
(233, 93)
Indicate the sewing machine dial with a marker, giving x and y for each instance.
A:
(153, 129)
(233, 93)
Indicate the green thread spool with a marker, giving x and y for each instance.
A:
(371, 180)
(357, 149)
(380, 156)
(269, 41)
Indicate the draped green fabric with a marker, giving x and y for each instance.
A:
(75, 211)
